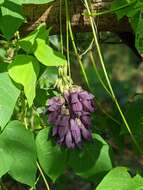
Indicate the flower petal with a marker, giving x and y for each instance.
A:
(84, 95)
(68, 140)
(77, 107)
(87, 106)
(85, 132)
(86, 120)
(76, 134)
(74, 97)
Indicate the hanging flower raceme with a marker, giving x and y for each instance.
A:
(71, 116)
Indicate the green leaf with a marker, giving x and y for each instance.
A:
(135, 120)
(19, 144)
(8, 97)
(2, 54)
(136, 183)
(1, 2)
(134, 19)
(139, 33)
(28, 43)
(81, 160)
(5, 162)
(51, 157)
(11, 17)
(47, 56)
(36, 1)
(103, 162)
(118, 179)
(24, 70)
(48, 77)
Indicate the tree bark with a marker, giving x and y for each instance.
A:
(50, 13)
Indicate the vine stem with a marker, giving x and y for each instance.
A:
(61, 31)
(67, 37)
(83, 70)
(43, 176)
(94, 29)
(74, 46)
(97, 73)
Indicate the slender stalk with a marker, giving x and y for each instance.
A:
(67, 37)
(75, 48)
(61, 31)
(97, 73)
(93, 25)
(33, 188)
(43, 176)
(88, 49)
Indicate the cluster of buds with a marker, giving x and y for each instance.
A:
(71, 116)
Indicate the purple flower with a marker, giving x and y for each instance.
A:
(71, 117)
(74, 98)
(64, 121)
(77, 107)
(52, 117)
(86, 120)
(84, 95)
(75, 131)
(87, 106)
(62, 131)
(55, 103)
(85, 132)
(55, 131)
(69, 141)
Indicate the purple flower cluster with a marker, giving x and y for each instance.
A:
(71, 117)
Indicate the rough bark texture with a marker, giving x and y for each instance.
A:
(49, 13)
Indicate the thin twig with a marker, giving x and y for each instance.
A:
(43, 176)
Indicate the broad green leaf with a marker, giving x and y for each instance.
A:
(81, 160)
(103, 162)
(1, 2)
(24, 70)
(48, 77)
(20, 146)
(51, 157)
(117, 179)
(36, 1)
(139, 34)
(122, 7)
(3, 67)
(8, 97)
(28, 43)
(136, 183)
(5, 162)
(135, 119)
(11, 17)
(2, 54)
(134, 19)
(47, 56)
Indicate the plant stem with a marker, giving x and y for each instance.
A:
(93, 25)
(67, 37)
(75, 48)
(84, 73)
(97, 73)
(33, 188)
(43, 176)
(61, 31)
